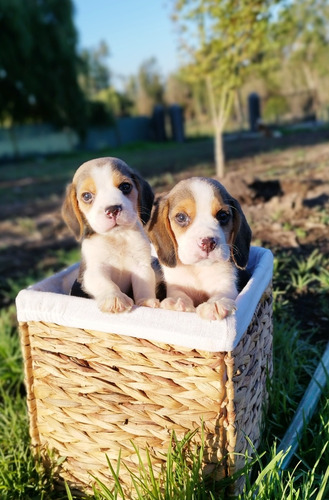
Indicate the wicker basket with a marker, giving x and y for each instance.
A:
(93, 391)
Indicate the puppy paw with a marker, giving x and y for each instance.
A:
(116, 303)
(180, 304)
(218, 309)
(154, 303)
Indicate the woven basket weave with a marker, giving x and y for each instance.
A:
(90, 394)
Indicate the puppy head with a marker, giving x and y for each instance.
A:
(106, 195)
(198, 222)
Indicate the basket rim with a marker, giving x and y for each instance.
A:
(45, 301)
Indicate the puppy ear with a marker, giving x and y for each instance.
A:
(161, 235)
(71, 213)
(145, 197)
(241, 236)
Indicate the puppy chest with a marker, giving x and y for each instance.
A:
(201, 282)
(116, 258)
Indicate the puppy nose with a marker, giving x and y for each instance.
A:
(113, 211)
(208, 244)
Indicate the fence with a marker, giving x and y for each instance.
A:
(290, 108)
(45, 139)
(278, 109)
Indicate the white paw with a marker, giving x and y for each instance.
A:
(115, 303)
(152, 302)
(217, 309)
(180, 304)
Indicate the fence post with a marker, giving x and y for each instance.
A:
(177, 122)
(158, 123)
(254, 110)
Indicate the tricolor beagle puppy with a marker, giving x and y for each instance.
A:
(106, 205)
(202, 239)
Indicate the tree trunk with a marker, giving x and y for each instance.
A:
(218, 125)
(219, 152)
(310, 80)
(239, 109)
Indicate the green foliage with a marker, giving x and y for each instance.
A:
(10, 355)
(116, 103)
(146, 89)
(297, 51)
(104, 103)
(94, 73)
(39, 63)
(231, 38)
(99, 114)
(272, 483)
(22, 476)
(294, 277)
(301, 274)
(304, 26)
(180, 479)
(275, 106)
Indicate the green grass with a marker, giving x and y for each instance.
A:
(295, 358)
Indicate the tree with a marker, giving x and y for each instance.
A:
(301, 31)
(230, 37)
(190, 95)
(146, 89)
(39, 63)
(95, 75)
(116, 103)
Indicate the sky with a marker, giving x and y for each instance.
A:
(134, 31)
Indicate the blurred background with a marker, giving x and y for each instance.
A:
(82, 74)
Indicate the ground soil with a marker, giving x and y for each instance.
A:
(282, 185)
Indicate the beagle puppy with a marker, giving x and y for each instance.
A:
(105, 207)
(202, 239)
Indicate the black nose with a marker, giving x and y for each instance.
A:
(208, 244)
(113, 211)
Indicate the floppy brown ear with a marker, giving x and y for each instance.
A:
(241, 236)
(145, 197)
(71, 213)
(161, 235)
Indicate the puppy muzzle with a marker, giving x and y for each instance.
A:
(207, 244)
(113, 211)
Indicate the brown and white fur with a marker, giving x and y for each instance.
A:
(202, 238)
(106, 205)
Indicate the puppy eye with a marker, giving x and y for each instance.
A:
(223, 217)
(182, 219)
(125, 187)
(87, 197)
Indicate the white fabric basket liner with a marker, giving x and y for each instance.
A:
(48, 301)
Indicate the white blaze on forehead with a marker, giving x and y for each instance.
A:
(103, 178)
(204, 221)
(203, 194)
